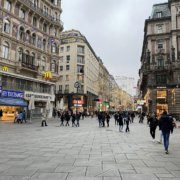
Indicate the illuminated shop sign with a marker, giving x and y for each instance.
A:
(13, 94)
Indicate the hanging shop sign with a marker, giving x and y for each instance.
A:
(13, 94)
(38, 96)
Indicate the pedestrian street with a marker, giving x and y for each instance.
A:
(28, 151)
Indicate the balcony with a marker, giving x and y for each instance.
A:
(40, 11)
(27, 62)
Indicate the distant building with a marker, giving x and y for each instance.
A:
(160, 61)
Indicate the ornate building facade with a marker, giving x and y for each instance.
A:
(160, 61)
(29, 53)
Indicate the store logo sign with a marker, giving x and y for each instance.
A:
(13, 94)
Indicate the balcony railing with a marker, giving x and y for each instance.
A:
(41, 11)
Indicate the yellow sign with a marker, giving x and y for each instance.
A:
(48, 75)
(4, 68)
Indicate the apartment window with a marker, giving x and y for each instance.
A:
(159, 14)
(35, 2)
(159, 29)
(22, 14)
(80, 59)
(45, 27)
(160, 45)
(161, 79)
(80, 49)
(61, 49)
(160, 62)
(34, 21)
(67, 88)
(20, 54)
(60, 87)
(6, 26)
(67, 77)
(80, 68)
(67, 67)
(68, 58)
(7, 5)
(34, 39)
(5, 50)
(53, 66)
(53, 50)
(61, 68)
(44, 44)
(21, 33)
(43, 64)
(68, 48)
(61, 59)
(28, 36)
(61, 78)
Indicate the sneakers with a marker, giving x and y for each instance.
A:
(166, 151)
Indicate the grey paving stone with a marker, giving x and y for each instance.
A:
(49, 176)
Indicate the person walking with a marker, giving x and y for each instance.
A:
(153, 123)
(166, 126)
(73, 118)
(78, 117)
(44, 122)
(1, 114)
(62, 117)
(100, 119)
(120, 122)
(132, 116)
(127, 121)
(108, 117)
(116, 118)
(67, 118)
(103, 119)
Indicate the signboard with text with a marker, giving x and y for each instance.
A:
(13, 94)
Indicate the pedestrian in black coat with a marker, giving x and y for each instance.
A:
(120, 122)
(67, 117)
(108, 117)
(153, 123)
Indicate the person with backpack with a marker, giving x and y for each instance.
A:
(153, 123)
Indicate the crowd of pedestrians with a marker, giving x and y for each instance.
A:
(166, 125)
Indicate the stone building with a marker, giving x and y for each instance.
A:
(29, 53)
(160, 61)
(79, 69)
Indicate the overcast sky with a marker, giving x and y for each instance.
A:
(114, 29)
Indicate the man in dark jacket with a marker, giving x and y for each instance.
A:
(166, 125)
(153, 123)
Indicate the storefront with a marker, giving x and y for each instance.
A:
(10, 103)
(41, 100)
(161, 100)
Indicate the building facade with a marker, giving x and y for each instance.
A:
(29, 53)
(160, 61)
(79, 68)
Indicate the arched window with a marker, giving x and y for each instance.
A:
(32, 61)
(5, 50)
(53, 50)
(34, 21)
(21, 33)
(7, 5)
(45, 27)
(6, 26)
(44, 44)
(35, 2)
(22, 13)
(34, 39)
(53, 66)
(43, 64)
(20, 54)
(28, 36)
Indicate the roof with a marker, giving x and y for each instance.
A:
(163, 8)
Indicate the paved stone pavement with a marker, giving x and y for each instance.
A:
(28, 151)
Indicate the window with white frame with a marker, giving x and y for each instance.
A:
(20, 54)
(5, 50)
(6, 26)
(22, 14)
(61, 59)
(43, 64)
(159, 14)
(7, 5)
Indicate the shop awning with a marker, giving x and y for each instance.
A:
(13, 102)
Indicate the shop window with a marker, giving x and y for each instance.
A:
(6, 26)
(5, 50)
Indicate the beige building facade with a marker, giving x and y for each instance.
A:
(79, 65)
(29, 53)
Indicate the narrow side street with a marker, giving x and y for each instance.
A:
(28, 151)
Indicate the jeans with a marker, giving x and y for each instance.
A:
(166, 139)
